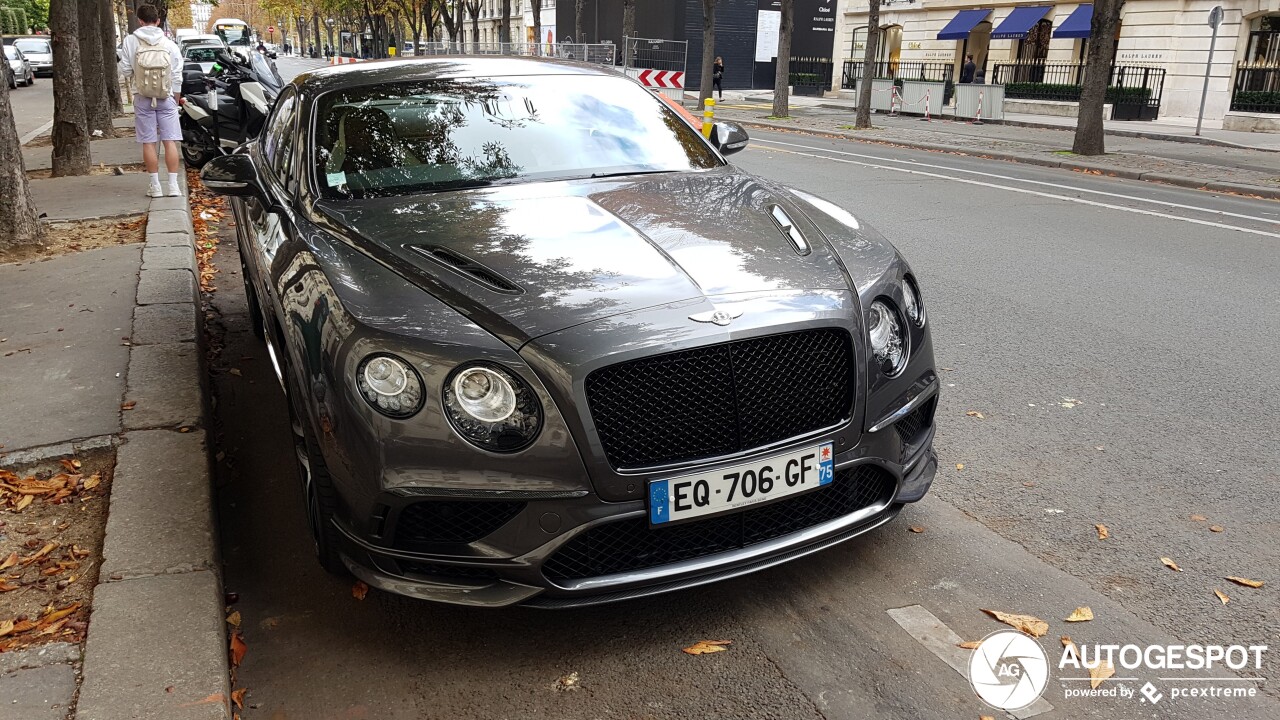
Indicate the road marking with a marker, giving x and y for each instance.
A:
(917, 163)
(1083, 201)
(35, 133)
(940, 640)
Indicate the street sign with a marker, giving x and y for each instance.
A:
(1215, 17)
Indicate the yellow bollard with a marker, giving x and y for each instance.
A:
(708, 116)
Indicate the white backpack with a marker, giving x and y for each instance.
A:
(151, 65)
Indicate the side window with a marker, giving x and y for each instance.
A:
(277, 141)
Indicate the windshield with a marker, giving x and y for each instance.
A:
(39, 47)
(10, 52)
(203, 54)
(233, 33)
(441, 134)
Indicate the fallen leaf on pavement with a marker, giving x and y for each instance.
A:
(129, 405)
(6, 627)
(1246, 582)
(1081, 614)
(1198, 518)
(970, 645)
(1103, 534)
(975, 414)
(568, 682)
(359, 590)
(48, 548)
(236, 372)
(1029, 624)
(216, 698)
(237, 697)
(9, 561)
(234, 619)
(1215, 528)
(57, 615)
(5, 586)
(1100, 672)
(24, 502)
(1170, 564)
(959, 466)
(1066, 643)
(916, 529)
(1221, 596)
(238, 649)
(92, 481)
(703, 647)
(986, 717)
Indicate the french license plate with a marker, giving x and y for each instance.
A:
(732, 488)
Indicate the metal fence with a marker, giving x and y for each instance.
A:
(1256, 88)
(655, 54)
(1134, 91)
(897, 70)
(601, 53)
(809, 75)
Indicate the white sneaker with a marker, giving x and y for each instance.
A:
(175, 191)
(155, 191)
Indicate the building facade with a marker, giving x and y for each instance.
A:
(1171, 36)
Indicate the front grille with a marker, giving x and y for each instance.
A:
(721, 399)
(451, 521)
(911, 428)
(632, 545)
(445, 572)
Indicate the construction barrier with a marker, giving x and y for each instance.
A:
(342, 60)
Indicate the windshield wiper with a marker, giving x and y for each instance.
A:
(630, 172)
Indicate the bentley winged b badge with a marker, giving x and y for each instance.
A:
(719, 317)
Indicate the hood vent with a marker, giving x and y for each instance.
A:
(466, 266)
(789, 229)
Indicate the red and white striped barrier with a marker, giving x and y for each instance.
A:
(661, 78)
(341, 60)
(977, 120)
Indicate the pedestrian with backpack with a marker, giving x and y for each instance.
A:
(154, 64)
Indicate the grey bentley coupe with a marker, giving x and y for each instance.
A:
(543, 345)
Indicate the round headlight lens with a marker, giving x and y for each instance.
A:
(915, 308)
(492, 408)
(885, 333)
(390, 385)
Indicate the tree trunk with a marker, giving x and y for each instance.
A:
(315, 30)
(628, 18)
(110, 69)
(782, 76)
(504, 22)
(19, 224)
(70, 133)
(536, 7)
(578, 6)
(708, 49)
(473, 9)
(863, 119)
(1089, 138)
(97, 108)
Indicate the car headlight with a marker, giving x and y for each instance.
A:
(390, 385)
(885, 333)
(915, 307)
(492, 408)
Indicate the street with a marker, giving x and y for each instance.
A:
(1105, 358)
(32, 106)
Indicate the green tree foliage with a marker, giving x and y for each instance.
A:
(36, 14)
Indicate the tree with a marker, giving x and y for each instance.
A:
(504, 22)
(708, 48)
(110, 70)
(473, 9)
(19, 224)
(782, 74)
(70, 128)
(577, 20)
(1101, 56)
(536, 7)
(97, 108)
(862, 120)
(628, 30)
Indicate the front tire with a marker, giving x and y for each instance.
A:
(317, 486)
(195, 156)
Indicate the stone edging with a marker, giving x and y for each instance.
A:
(156, 646)
(1164, 178)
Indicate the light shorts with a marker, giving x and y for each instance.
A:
(156, 119)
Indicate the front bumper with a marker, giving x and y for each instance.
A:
(522, 580)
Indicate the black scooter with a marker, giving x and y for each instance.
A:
(227, 107)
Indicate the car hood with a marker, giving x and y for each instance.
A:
(530, 259)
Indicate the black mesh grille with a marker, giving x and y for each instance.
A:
(913, 426)
(437, 521)
(446, 571)
(633, 545)
(721, 399)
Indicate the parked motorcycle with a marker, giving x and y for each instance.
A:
(227, 107)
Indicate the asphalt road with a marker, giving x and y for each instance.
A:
(32, 106)
(1118, 339)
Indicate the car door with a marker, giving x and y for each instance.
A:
(269, 227)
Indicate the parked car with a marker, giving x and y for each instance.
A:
(38, 52)
(542, 344)
(20, 71)
(205, 39)
(203, 54)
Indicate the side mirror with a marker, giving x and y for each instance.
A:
(232, 175)
(729, 137)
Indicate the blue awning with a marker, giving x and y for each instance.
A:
(1020, 22)
(962, 23)
(1077, 23)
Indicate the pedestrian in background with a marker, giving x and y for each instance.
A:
(717, 76)
(966, 72)
(155, 63)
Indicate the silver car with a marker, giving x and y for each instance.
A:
(20, 70)
(39, 53)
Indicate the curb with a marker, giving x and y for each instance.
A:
(157, 644)
(1265, 193)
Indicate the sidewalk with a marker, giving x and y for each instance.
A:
(100, 362)
(1157, 157)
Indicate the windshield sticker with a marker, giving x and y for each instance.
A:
(336, 179)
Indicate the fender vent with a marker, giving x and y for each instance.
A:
(466, 266)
